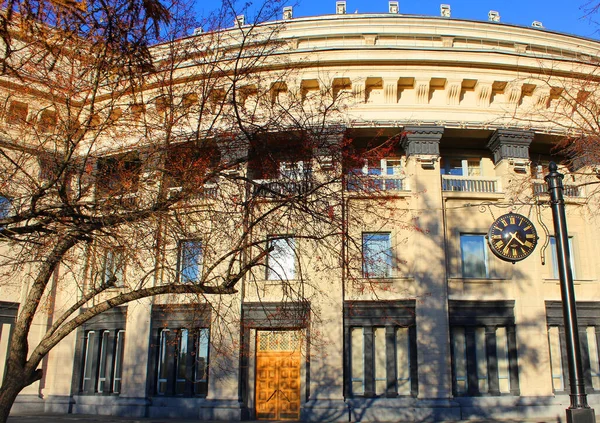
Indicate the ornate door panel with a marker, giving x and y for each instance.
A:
(278, 375)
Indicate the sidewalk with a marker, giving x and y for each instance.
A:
(83, 418)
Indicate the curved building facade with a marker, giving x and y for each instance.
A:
(415, 319)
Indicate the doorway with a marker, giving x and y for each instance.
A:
(278, 375)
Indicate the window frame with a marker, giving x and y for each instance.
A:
(165, 365)
(5, 206)
(367, 318)
(588, 316)
(371, 263)
(485, 259)
(99, 361)
(115, 257)
(471, 317)
(275, 270)
(447, 169)
(554, 257)
(181, 271)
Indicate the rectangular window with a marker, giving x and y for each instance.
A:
(182, 353)
(403, 361)
(294, 170)
(471, 358)
(118, 367)
(113, 268)
(190, 261)
(88, 360)
(281, 261)
(503, 360)
(102, 361)
(555, 359)
(474, 256)
(182, 367)
(380, 361)
(461, 167)
(553, 250)
(100, 348)
(592, 343)
(104, 341)
(201, 365)
(358, 379)
(4, 207)
(380, 348)
(374, 360)
(589, 349)
(5, 330)
(377, 255)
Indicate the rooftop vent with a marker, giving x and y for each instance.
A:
(493, 16)
(537, 24)
(240, 20)
(288, 13)
(393, 7)
(445, 10)
(340, 7)
(198, 31)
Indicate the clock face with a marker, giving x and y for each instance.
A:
(512, 237)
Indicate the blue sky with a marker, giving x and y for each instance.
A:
(561, 16)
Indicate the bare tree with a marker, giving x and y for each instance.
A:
(119, 162)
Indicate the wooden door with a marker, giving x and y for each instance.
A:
(278, 375)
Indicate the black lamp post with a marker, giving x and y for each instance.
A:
(579, 411)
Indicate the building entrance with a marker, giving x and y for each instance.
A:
(278, 375)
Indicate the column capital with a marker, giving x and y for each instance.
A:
(510, 144)
(422, 140)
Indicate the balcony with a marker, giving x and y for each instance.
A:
(275, 188)
(373, 184)
(571, 191)
(470, 184)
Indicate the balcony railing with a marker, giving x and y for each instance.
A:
(469, 184)
(573, 191)
(375, 183)
(281, 187)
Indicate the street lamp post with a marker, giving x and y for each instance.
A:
(579, 411)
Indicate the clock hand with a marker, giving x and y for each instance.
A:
(514, 236)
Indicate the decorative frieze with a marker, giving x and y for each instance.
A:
(510, 144)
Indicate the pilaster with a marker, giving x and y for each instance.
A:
(421, 144)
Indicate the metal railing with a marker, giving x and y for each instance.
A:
(281, 187)
(375, 183)
(573, 191)
(469, 184)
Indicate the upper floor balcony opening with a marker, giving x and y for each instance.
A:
(372, 168)
(468, 174)
(118, 175)
(190, 167)
(280, 165)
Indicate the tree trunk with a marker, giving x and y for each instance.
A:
(11, 386)
(15, 379)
